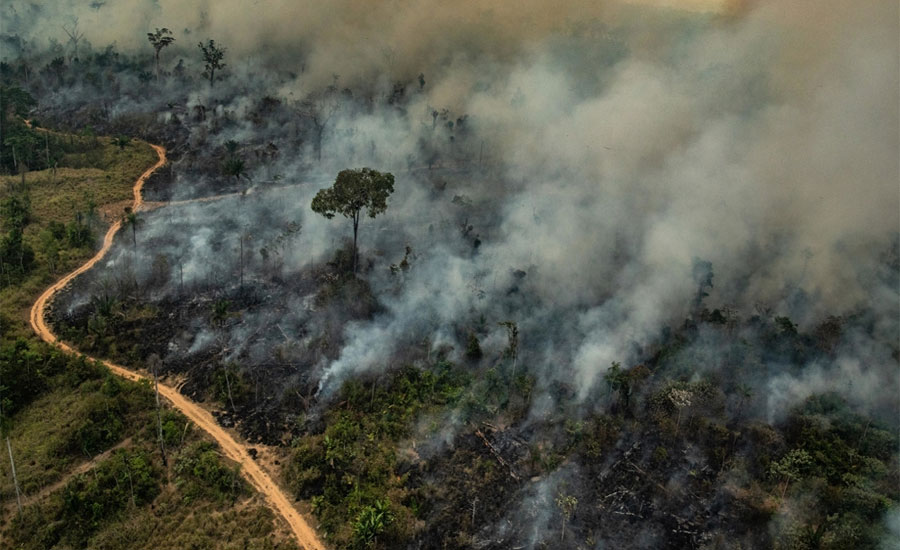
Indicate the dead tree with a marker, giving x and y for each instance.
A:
(74, 37)
(154, 364)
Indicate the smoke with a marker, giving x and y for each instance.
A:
(618, 144)
(563, 167)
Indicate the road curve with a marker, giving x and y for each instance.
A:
(234, 450)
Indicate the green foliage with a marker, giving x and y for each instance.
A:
(229, 385)
(160, 39)
(125, 479)
(212, 57)
(370, 523)
(350, 467)
(105, 415)
(473, 347)
(352, 192)
(19, 145)
(201, 474)
(16, 256)
(219, 312)
(625, 381)
(233, 167)
(23, 375)
(121, 142)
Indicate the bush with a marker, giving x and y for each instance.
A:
(201, 474)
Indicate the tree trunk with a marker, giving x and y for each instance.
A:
(320, 130)
(355, 232)
(157, 65)
(228, 386)
(162, 445)
(130, 483)
(12, 464)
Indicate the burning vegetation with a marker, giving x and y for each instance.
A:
(619, 277)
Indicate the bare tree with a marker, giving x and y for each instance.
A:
(320, 112)
(4, 425)
(154, 362)
(12, 464)
(74, 37)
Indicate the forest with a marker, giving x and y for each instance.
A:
(375, 276)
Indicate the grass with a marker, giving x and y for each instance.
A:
(39, 432)
(167, 526)
(101, 174)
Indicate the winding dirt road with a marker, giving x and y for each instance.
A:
(234, 450)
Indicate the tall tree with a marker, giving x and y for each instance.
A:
(353, 191)
(320, 112)
(154, 362)
(212, 56)
(4, 427)
(74, 37)
(159, 40)
(132, 220)
(566, 504)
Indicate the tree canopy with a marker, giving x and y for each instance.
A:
(212, 56)
(355, 190)
(159, 40)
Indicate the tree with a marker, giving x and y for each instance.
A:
(74, 37)
(512, 347)
(566, 504)
(320, 113)
(233, 164)
(50, 248)
(353, 191)
(4, 427)
(121, 142)
(790, 468)
(159, 40)
(370, 523)
(154, 362)
(703, 277)
(212, 56)
(131, 220)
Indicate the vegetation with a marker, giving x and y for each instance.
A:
(85, 442)
(212, 57)
(352, 192)
(42, 237)
(160, 39)
(678, 446)
(349, 469)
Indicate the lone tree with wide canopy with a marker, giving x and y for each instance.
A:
(353, 191)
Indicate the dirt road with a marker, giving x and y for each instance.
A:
(234, 450)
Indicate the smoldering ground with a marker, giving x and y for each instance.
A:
(564, 169)
(609, 160)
